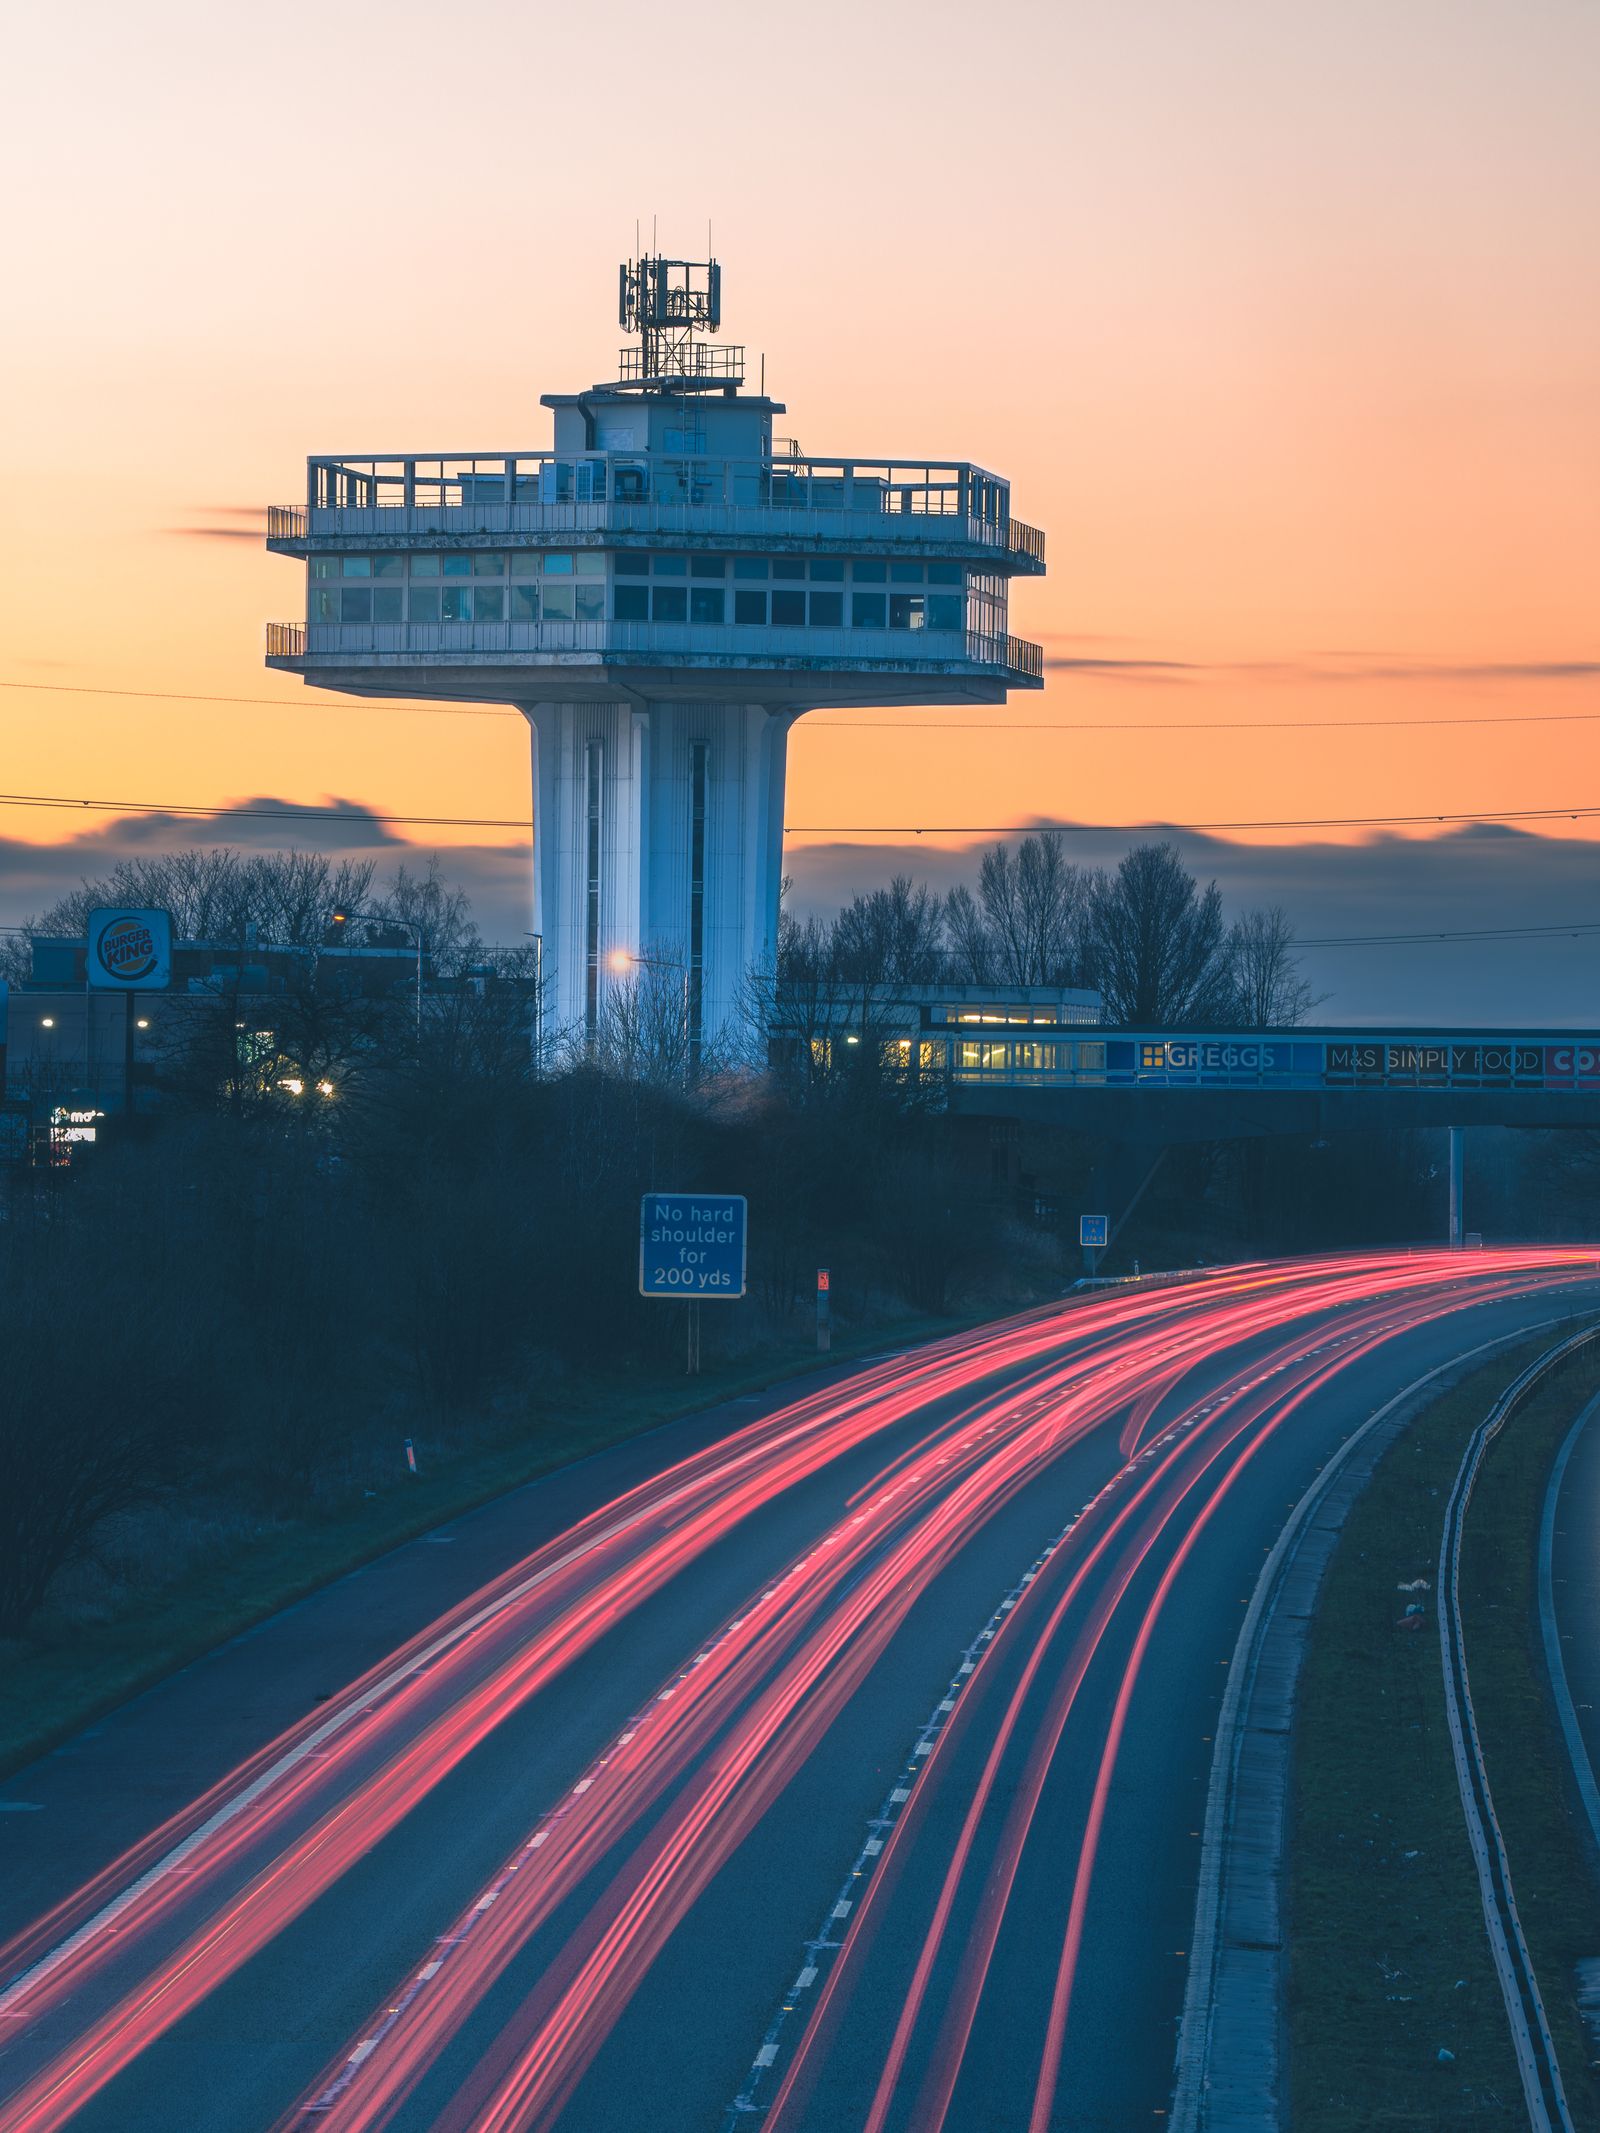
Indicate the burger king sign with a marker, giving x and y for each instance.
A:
(130, 951)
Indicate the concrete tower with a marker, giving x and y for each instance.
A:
(662, 592)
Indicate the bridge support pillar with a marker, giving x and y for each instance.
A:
(1458, 1167)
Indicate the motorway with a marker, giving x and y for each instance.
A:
(841, 1767)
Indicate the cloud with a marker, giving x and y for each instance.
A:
(216, 533)
(252, 524)
(1488, 875)
(1319, 669)
(497, 878)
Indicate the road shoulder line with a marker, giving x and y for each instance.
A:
(1555, 1665)
(1229, 2054)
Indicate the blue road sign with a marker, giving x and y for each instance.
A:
(692, 1244)
(1094, 1231)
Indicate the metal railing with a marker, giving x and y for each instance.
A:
(722, 360)
(595, 492)
(638, 642)
(1025, 540)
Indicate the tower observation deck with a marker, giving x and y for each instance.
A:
(662, 593)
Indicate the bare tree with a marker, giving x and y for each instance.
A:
(276, 898)
(1264, 972)
(969, 942)
(893, 937)
(642, 1031)
(1034, 901)
(1157, 944)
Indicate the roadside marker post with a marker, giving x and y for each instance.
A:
(411, 1456)
(824, 1311)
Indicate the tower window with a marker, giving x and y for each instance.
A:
(749, 607)
(827, 609)
(632, 603)
(788, 608)
(594, 757)
(699, 761)
(670, 603)
(706, 604)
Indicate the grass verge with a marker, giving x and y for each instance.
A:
(55, 1682)
(1389, 1964)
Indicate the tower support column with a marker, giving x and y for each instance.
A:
(658, 833)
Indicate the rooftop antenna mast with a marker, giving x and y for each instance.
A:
(674, 306)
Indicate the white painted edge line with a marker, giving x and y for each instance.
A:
(1502, 1921)
(1199, 2003)
(1555, 1665)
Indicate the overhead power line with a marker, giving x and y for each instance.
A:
(1582, 930)
(277, 703)
(821, 722)
(352, 816)
(1101, 829)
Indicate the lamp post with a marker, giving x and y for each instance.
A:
(342, 916)
(624, 959)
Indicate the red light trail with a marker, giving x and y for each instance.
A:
(914, 1458)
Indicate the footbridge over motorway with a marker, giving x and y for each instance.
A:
(1139, 1092)
(1167, 1087)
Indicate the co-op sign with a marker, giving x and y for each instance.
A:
(129, 950)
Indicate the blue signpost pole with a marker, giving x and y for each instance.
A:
(692, 1246)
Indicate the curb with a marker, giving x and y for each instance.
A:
(1555, 1666)
(1230, 2034)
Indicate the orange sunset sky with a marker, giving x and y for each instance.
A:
(1281, 317)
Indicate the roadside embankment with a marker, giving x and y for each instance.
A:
(1395, 2012)
(67, 1671)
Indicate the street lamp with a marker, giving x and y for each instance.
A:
(342, 916)
(622, 960)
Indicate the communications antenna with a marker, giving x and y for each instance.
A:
(671, 304)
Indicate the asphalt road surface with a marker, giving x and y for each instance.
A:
(836, 1764)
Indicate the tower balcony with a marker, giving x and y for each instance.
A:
(615, 499)
(521, 662)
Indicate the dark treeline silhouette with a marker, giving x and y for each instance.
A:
(1146, 935)
(230, 1313)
